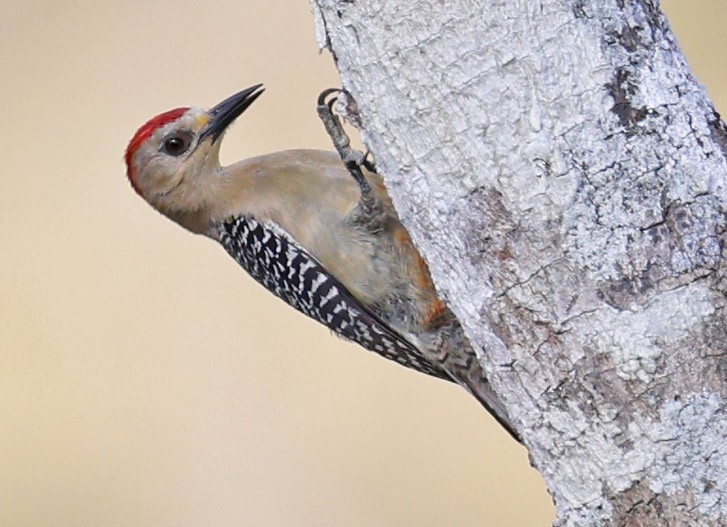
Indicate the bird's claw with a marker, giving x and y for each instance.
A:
(353, 159)
(327, 93)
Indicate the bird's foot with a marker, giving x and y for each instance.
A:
(352, 158)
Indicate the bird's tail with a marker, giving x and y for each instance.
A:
(483, 392)
(449, 348)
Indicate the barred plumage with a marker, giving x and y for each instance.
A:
(280, 264)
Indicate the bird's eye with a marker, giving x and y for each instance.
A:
(177, 144)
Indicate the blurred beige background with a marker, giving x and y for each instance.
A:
(144, 379)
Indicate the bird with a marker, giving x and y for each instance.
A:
(316, 228)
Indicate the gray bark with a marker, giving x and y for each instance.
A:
(564, 175)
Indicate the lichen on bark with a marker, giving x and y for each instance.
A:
(564, 175)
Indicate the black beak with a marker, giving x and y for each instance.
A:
(228, 110)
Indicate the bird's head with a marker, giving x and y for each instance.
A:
(170, 154)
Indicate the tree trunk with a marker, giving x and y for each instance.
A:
(564, 175)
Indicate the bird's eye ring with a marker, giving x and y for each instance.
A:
(177, 144)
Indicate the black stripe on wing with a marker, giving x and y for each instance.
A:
(280, 264)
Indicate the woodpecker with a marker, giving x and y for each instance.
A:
(329, 244)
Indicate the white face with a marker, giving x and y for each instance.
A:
(170, 160)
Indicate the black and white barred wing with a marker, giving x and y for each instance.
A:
(279, 263)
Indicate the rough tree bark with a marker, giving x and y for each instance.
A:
(564, 175)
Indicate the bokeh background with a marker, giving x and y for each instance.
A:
(144, 379)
